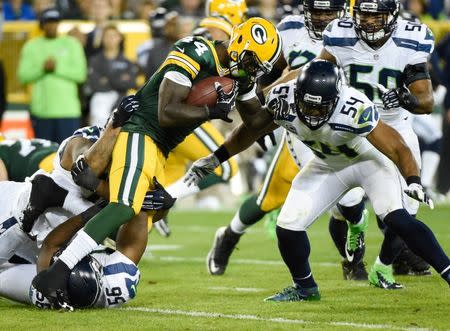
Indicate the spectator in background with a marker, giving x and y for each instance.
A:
(117, 9)
(110, 76)
(74, 9)
(14, 10)
(2, 91)
(165, 31)
(192, 8)
(40, 5)
(100, 13)
(54, 65)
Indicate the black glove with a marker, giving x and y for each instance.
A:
(398, 97)
(225, 103)
(128, 105)
(280, 108)
(83, 175)
(158, 198)
(262, 141)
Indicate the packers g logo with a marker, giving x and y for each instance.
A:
(259, 34)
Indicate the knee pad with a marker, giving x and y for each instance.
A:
(296, 215)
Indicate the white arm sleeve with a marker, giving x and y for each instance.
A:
(178, 78)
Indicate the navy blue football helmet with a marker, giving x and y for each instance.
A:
(85, 283)
(317, 92)
(375, 19)
(318, 14)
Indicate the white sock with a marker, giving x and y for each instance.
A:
(180, 190)
(10, 241)
(430, 163)
(236, 224)
(15, 281)
(378, 261)
(80, 246)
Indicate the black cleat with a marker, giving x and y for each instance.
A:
(162, 227)
(225, 241)
(354, 271)
(407, 263)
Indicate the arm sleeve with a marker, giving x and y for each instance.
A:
(75, 67)
(30, 69)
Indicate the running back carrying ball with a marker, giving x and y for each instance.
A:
(204, 92)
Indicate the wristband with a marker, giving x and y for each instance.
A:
(222, 153)
(413, 180)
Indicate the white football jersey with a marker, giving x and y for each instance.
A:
(298, 47)
(365, 67)
(339, 141)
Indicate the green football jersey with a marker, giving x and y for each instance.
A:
(22, 157)
(195, 58)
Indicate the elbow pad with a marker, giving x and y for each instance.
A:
(415, 72)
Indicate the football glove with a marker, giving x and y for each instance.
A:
(128, 105)
(398, 97)
(83, 175)
(280, 108)
(417, 192)
(262, 141)
(200, 169)
(158, 198)
(225, 103)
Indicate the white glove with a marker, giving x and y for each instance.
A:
(417, 192)
(200, 169)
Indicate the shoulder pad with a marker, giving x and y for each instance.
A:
(340, 32)
(415, 36)
(91, 133)
(291, 22)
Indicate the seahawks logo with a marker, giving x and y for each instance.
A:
(259, 34)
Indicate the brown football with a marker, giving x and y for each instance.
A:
(204, 93)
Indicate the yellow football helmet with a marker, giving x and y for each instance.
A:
(218, 22)
(254, 47)
(234, 10)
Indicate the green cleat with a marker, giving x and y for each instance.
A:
(296, 293)
(355, 246)
(382, 276)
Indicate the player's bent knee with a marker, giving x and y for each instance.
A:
(296, 214)
(398, 219)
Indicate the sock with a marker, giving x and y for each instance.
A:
(210, 180)
(236, 224)
(250, 213)
(15, 281)
(294, 248)
(446, 274)
(390, 248)
(352, 214)
(430, 163)
(180, 190)
(419, 238)
(108, 220)
(80, 246)
(338, 232)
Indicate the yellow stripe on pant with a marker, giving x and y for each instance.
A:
(135, 160)
(203, 141)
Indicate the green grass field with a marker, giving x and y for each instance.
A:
(176, 293)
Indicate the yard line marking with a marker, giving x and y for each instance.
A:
(237, 289)
(265, 319)
(208, 229)
(237, 261)
(163, 247)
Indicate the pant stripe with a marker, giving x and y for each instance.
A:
(211, 144)
(139, 167)
(131, 168)
(126, 168)
(268, 177)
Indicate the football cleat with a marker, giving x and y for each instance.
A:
(224, 243)
(295, 293)
(354, 245)
(162, 226)
(381, 276)
(354, 271)
(407, 263)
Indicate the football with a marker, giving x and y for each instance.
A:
(204, 93)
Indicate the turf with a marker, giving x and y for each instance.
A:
(176, 293)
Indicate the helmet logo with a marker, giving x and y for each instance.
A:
(259, 34)
(312, 98)
(368, 6)
(320, 4)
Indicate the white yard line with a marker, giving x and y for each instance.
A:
(154, 248)
(237, 261)
(237, 289)
(265, 319)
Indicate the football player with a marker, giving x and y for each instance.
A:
(386, 58)
(162, 121)
(302, 42)
(22, 158)
(352, 148)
